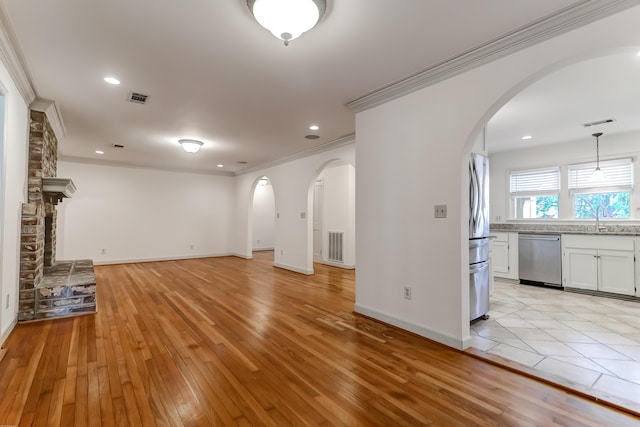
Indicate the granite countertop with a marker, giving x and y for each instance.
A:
(611, 230)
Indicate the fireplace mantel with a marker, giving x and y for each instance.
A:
(55, 189)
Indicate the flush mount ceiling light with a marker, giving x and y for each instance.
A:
(190, 145)
(314, 127)
(112, 80)
(287, 19)
(527, 137)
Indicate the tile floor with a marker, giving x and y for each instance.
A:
(587, 340)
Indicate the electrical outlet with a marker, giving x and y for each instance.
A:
(303, 215)
(103, 251)
(258, 241)
(440, 211)
(191, 246)
(407, 292)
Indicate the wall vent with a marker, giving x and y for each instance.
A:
(336, 239)
(138, 98)
(599, 122)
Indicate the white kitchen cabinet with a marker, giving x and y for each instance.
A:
(504, 255)
(599, 263)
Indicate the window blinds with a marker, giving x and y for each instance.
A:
(618, 175)
(532, 182)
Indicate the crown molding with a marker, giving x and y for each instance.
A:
(12, 57)
(331, 145)
(567, 19)
(134, 165)
(50, 108)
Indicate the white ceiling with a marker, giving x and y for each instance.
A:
(212, 73)
(555, 108)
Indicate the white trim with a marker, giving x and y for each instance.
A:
(155, 259)
(565, 20)
(294, 269)
(12, 57)
(50, 109)
(337, 264)
(261, 249)
(133, 165)
(431, 334)
(6, 333)
(243, 256)
(336, 143)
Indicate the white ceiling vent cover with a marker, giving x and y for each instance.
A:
(138, 98)
(599, 122)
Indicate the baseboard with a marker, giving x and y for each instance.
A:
(337, 264)
(431, 334)
(155, 259)
(6, 333)
(262, 249)
(239, 255)
(292, 268)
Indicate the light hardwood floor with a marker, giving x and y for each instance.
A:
(227, 341)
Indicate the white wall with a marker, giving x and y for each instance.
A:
(264, 217)
(339, 209)
(143, 214)
(12, 194)
(293, 190)
(412, 153)
(564, 154)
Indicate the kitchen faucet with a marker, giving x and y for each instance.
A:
(599, 227)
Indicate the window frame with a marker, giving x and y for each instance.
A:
(553, 183)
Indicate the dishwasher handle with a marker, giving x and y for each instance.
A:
(550, 238)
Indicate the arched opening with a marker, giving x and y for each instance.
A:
(332, 222)
(263, 214)
(546, 123)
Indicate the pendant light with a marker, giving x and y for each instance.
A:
(287, 19)
(597, 174)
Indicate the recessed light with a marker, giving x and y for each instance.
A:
(314, 127)
(220, 166)
(527, 137)
(99, 152)
(112, 80)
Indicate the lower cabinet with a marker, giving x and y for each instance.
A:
(599, 263)
(504, 255)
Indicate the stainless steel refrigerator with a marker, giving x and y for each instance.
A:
(479, 236)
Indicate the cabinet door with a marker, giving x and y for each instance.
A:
(616, 272)
(500, 258)
(580, 269)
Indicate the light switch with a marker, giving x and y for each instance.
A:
(303, 215)
(440, 211)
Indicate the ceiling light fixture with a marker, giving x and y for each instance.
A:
(221, 166)
(527, 137)
(191, 145)
(99, 152)
(263, 181)
(314, 127)
(597, 174)
(112, 80)
(287, 19)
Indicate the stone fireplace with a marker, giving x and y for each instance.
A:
(48, 288)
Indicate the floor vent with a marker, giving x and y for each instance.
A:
(335, 246)
(138, 98)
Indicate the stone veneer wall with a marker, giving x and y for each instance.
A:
(43, 161)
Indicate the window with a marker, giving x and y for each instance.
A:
(612, 194)
(534, 193)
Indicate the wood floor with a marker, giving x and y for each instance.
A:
(227, 341)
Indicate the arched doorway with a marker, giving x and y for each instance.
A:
(333, 215)
(263, 216)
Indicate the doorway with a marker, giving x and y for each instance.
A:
(263, 213)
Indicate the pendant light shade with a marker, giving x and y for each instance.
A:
(287, 19)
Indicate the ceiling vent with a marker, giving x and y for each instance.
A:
(138, 98)
(599, 122)
(118, 146)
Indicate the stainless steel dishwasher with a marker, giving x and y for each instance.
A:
(540, 259)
